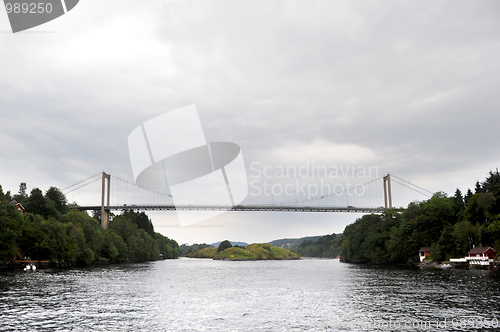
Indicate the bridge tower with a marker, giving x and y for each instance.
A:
(105, 209)
(387, 188)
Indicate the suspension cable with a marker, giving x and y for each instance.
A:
(82, 186)
(411, 188)
(430, 192)
(81, 182)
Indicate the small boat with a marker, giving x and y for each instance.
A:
(445, 266)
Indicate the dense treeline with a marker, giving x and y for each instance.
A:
(327, 246)
(50, 229)
(451, 226)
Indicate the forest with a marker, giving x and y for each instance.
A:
(450, 226)
(327, 246)
(51, 229)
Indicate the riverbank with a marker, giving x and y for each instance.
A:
(61, 264)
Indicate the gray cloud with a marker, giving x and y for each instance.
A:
(411, 87)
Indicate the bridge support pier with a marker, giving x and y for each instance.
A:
(387, 188)
(105, 209)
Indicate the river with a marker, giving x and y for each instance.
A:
(207, 295)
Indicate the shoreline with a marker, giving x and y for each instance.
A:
(47, 264)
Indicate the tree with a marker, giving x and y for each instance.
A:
(10, 230)
(468, 196)
(36, 203)
(141, 219)
(59, 199)
(458, 201)
(224, 245)
(492, 185)
(434, 214)
(22, 190)
(445, 247)
(466, 236)
(479, 189)
(486, 203)
(21, 195)
(365, 241)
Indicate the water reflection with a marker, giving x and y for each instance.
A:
(204, 295)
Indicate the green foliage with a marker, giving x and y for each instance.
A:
(224, 245)
(450, 226)
(50, 231)
(293, 243)
(141, 220)
(208, 252)
(21, 195)
(58, 198)
(256, 251)
(325, 246)
(11, 225)
(365, 240)
(168, 248)
(189, 249)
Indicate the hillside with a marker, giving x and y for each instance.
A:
(293, 243)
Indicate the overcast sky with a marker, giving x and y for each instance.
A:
(406, 87)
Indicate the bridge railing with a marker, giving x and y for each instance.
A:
(284, 208)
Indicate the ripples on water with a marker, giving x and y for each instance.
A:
(207, 295)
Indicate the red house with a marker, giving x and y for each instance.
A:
(18, 206)
(482, 252)
(424, 252)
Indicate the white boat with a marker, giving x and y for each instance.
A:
(445, 266)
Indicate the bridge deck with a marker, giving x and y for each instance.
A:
(236, 208)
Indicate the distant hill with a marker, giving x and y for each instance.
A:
(233, 243)
(293, 243)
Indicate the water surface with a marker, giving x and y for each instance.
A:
(208, 295)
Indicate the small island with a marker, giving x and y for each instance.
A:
(252, 252)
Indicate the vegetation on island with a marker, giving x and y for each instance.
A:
(450, 226)
(255, 251)
(224, 245)
(51, 229)
(292, 244)
(186, 249)
(208, 252)
(327, 246)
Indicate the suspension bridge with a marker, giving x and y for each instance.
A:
(119, 194)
